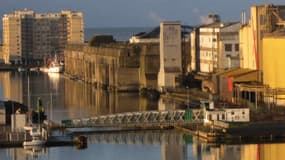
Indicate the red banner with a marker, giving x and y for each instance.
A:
(230, 84)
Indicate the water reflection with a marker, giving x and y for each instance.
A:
(23, 153)
(236, 152)
(149, 145)
(11, 86)
(64, 98)
(35, 151)
(155, 138)
(54, 78)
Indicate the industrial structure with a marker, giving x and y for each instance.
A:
(265, 18)
(228, 57)
(240, 61)
(273, 64)
(121, 67)
(260, 44)
(170, 55)
(30, 37)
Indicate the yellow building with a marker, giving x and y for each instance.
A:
(263, 19)
(273, 62)
(247, 57)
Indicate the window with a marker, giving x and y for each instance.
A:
(237, 47)
(228, 47)
(223, 116)
(210, 117)
(262, 19)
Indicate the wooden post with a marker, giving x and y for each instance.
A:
(249, 96)
(238, 96)
(256, 99)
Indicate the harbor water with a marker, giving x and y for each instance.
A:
(64, 99)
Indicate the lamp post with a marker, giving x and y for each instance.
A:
(187, 90)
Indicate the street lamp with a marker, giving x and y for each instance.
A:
(187, 90)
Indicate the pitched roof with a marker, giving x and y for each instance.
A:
(155, 32)
(218, 25)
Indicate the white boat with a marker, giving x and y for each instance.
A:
(35, 131)
(34, 69)
(21, 69)
(36, 141)
(54, 67)
(36, 138)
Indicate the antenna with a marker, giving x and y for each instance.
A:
(243, 17)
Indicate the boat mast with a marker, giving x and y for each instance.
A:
(29, 109)
(51, 116)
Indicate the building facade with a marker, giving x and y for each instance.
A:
(209, 47)
(117, 66)
(273, 67)
(263, 19)
(1, 54)
(30, 36)
(170, 55)
(229, 47)
(216, 47)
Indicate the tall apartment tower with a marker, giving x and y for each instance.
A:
(75, 26)
(170, 55)
(30, 36)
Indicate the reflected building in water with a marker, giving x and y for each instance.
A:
(87, 98)
(172, 151)
(11, 86)
(25, 154)
(167, 104)
(235, 152)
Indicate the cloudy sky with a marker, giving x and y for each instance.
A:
(138, 13)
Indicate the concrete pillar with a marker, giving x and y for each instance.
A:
(256, 96)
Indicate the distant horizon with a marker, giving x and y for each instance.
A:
(116, 27)
(119, 33)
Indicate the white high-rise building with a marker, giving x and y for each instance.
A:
(215, 47)
(30, 36)
(170, 55)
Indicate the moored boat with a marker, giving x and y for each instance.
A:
(53, 66)
(36, 138)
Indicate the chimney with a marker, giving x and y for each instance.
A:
(243, 18)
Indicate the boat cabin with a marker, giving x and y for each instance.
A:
(226, 113)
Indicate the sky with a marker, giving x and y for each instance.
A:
(139, 13)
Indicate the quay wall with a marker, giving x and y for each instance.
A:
(116, 66)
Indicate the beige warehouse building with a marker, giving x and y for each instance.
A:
(30, 36)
